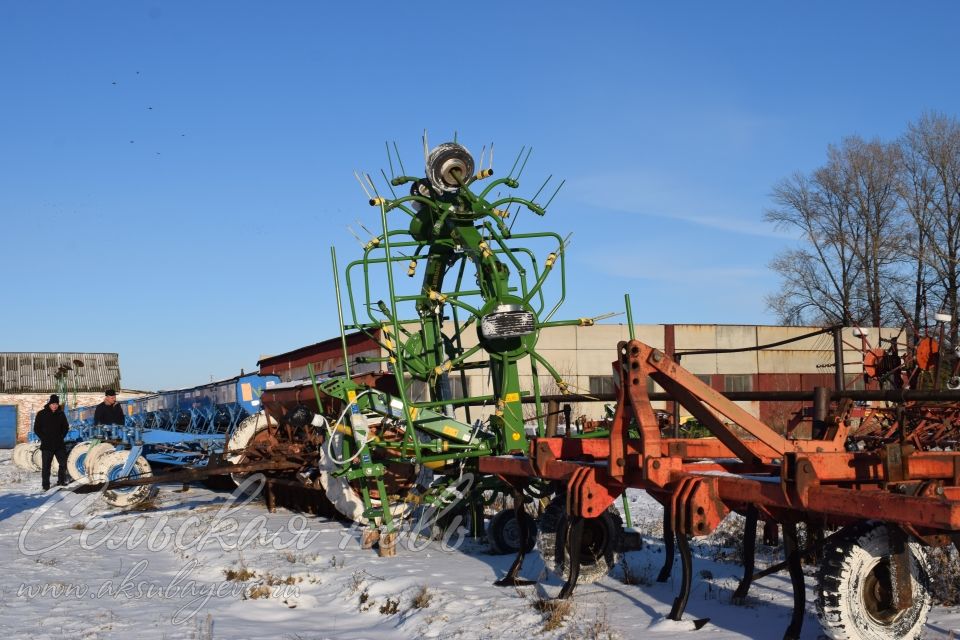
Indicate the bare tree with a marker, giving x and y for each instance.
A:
(820, 281)
(864, 175)
(934, 142)
(850, 268)
(917, 188)
(880, 226)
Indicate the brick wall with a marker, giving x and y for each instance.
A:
(29, 403)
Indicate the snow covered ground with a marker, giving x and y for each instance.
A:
(199, 566)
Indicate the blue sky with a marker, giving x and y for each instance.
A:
(173, 174)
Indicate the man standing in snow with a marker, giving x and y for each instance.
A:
(108, 412)
(51, 427)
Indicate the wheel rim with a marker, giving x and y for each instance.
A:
(594, 543)
(877, 594)
(114, 474)
(511, 533)
(399, 478)
(80, 466)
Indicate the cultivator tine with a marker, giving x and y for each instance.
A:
(669, 550)
(686, 578)
(749, 554)
(573, 538)
(679, 503)
(511, 579)
(796, 579)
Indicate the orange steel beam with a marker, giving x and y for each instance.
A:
(865, 467)
(696, 397)
(930, 513)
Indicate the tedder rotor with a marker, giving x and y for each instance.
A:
(483, 298)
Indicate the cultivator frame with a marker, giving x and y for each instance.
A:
(752, 470)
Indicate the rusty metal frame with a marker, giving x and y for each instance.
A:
(788, 480)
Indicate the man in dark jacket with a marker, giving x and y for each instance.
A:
(51, 427)
(108, 411)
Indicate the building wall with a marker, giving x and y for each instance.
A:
(29, 403)
(582, 354)
(326, 358)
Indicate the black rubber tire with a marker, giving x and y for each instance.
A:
(850, 565)
(504, 534)
(602, 543)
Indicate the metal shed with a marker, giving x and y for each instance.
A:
(34, 372)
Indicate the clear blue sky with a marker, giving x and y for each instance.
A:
(172, 174)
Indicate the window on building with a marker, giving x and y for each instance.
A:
(417, 390)
(705, 378)
(738, 382)
(459, 387)
(601, 385)
(420, 392)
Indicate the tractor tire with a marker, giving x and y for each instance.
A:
(92, 460)
(854, 595)
(341, 493)
(76, 462)
(18, 458)
(600, 548)
(240, 438)
(36, 462)
(110, 466)
(504, 533)
(27, 456)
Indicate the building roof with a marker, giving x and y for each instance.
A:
(23, 372)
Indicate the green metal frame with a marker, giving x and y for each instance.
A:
(449, 231)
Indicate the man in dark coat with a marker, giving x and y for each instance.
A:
(108, 411)
(51, 427)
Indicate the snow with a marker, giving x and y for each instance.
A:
(161, 573)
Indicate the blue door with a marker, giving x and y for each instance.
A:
(8, 426)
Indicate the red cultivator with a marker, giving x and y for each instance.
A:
(886, 501)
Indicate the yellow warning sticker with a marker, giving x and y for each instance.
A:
(512, 397)
(450, 431)
(515, 436)
(413, 412)
(351, 395)
(246, 392)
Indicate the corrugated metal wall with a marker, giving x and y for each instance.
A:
(34, 372)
